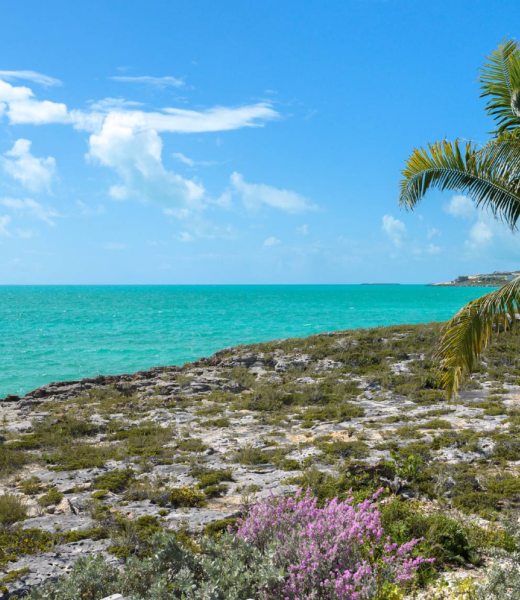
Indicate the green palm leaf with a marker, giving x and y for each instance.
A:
(483, 174)
(471, 330)
(500, 79)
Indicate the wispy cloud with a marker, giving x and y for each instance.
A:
(272, 241)
(31, 208)
(254, 195)
(40, 78)
(191, 162)
(394, 229)
(156, 82)
(5, 220)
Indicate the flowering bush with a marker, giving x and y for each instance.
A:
(337, 552)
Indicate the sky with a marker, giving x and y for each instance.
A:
(239, 141)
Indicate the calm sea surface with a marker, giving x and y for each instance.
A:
(51, 333)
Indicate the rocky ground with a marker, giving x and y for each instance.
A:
(96, 465)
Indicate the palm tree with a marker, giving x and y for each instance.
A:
(490, 176)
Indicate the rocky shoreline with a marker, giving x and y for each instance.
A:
(95, 462)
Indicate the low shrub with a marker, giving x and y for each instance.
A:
(115, 481)
(191, 445)
(443, 538)
(339, 549)
(186, 497)
(12, 509)
(284, 548)
(51, 498)
(30, 486)
(16, 542)
(11, 459)
(343, 449)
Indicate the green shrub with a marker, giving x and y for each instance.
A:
(11, 459)
(191, 445)
(80, 456)
(216, 490)
(343, 449)
(30, 486)
(437, 424)
(209, 477)
(217, 528)
(445, 539)
(186, 497)
(221, 422)
(12, 509)
(115, 481)
(333, 412)
(249, 455)
(97, 533)
(19, 542)
(51, 498)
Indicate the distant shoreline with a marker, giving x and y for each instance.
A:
(450, 284)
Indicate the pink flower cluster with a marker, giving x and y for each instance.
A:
(337, 552)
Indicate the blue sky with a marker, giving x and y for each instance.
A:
(244, 141)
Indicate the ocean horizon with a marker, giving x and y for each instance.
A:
(65, 332)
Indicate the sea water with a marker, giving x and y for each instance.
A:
(55, 333)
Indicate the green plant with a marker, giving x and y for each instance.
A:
(191, 445)
(16, 542)
(30, 486)
(115, 481)
(12, 509)
(250, 455)
(186, 497)
(488, 175)
(52, 497)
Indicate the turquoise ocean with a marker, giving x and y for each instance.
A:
(53, 333)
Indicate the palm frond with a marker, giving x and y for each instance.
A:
(481, 173)
(467, 335)
(500, 79)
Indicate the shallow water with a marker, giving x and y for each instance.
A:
(51, 333)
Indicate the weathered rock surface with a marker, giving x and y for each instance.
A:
(263, 413)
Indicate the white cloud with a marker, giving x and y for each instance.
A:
(22, 108)
(157, 82)
(44, 80)
(127, 140)
(9, 93)
(479, 234)
(218, 118)
(272, 241)
(35, 174)
(394, 229)
(108, 104)
(432, 232)
(135, 153)
(304, 229)
(461, 207)
(35, 112)
(115, 246)
(486, 232)
(190, 162)
(254, 195)
(31, 208)
(4, 222)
